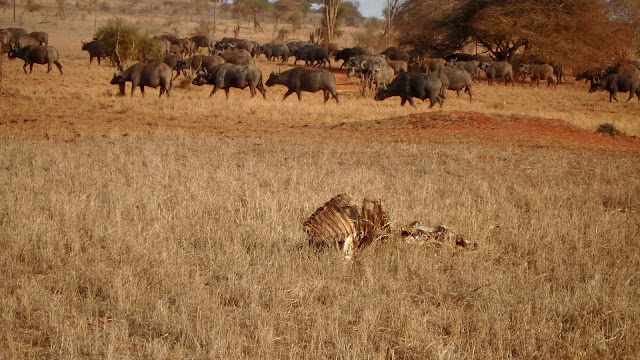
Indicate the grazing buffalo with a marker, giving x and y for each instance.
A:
(617, 82)
(538, 72)
(95, 50)
(428, 65)
(203, 41)
(164, 46)
(346, 54)
(498, 69)
(145, 74)
(408, 85)
(40, 36)
(300, 79)
(36, 54)
(456, 78)
(226, 76)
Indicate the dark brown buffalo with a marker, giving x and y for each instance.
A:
(226, 76)
(408, 85)
(301, 79)
(36, 54)
(16, 33)
(144, 74)
(615, 83)
(95, 50)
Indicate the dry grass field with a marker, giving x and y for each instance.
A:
(171, 228)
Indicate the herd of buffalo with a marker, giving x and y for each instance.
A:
(230, 63)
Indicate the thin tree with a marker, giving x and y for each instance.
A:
(331, 16)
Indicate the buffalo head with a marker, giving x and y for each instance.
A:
(273, 79)
(596, 84)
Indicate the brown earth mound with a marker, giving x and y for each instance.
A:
(488, 129)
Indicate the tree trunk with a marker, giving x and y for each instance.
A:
(331, 14)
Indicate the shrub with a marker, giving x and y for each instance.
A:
(127, 41)
(608, 129)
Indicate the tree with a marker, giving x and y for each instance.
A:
(331, 16)
(249, 9)
(579, 32)
(127, 42)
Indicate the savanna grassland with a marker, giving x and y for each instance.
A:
(171, 228)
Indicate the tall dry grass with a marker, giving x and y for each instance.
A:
(171, 228)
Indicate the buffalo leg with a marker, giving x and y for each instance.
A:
(213, 91)
(630, 95)
(226, 92)
(404, 101)
(299, 92)
(24, 67)
(133, 88)
(30, 68)
(252, 90)
(326, 95)
(289, 92)
(142, 89)
(335, 96)
(58, 65)
(612, 95)
(410, 99)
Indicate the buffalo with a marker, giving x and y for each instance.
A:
(175, 61)
(470, 66)
(145, 74)
(617, 82)
(226, 76)
(428, 65)
(398, 66)
(312, 55)
(300, 79)
(202, 41)
(201, 62)
(95, 50)
(272, 50)
(36, 54)
(538, 72)
(233, 43)
(16, 33)
(395, 53)
(346, 54)
(498, 69)
(408, 85)
(26, 41)
(456, 78)
(40, 36)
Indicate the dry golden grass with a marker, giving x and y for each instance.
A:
(171, 228)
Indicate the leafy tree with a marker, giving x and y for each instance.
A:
(127, 42)
(578, 32)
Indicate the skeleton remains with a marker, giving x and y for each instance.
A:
(340, 224)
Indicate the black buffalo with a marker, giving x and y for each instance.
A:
(395, 53)
(36, 54)
(312, 55)
(617, 82)
(408, 85)
(95, 50)
(299, 79)
(145, 74)
(226, 76)
(348, 53)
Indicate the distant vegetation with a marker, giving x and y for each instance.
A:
(127, 41)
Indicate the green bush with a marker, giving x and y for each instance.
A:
(608, 129)
(128, 42)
